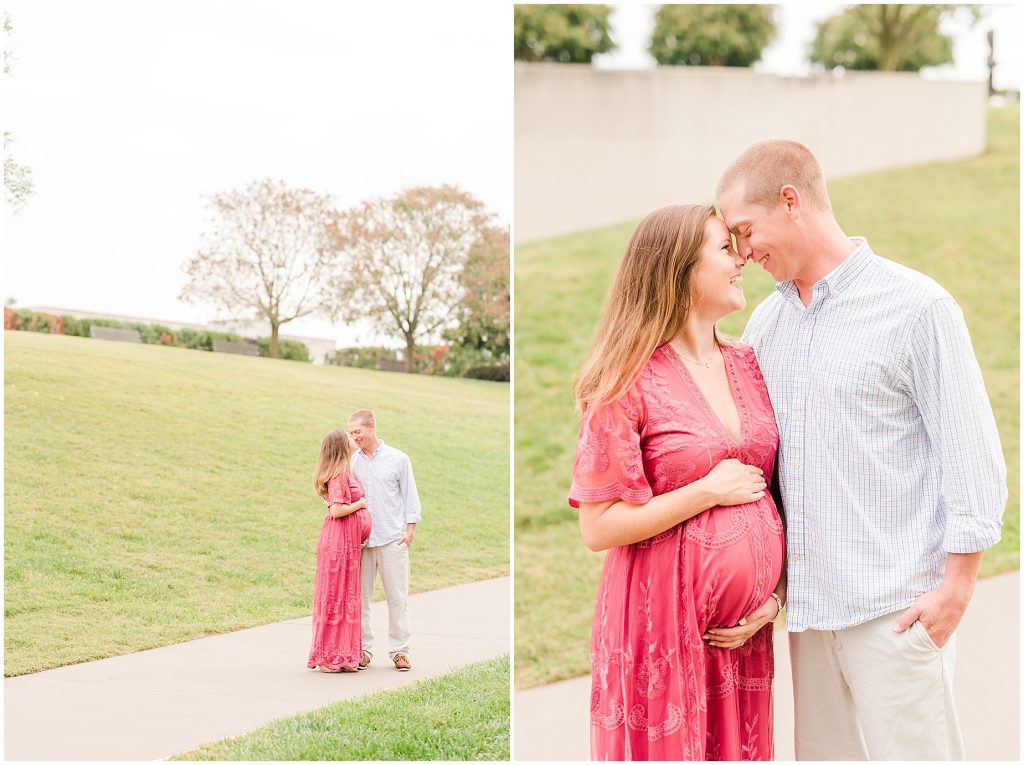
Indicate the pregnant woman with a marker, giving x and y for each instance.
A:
(676, 444)
(337, 594)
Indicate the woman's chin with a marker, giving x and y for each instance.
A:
(738, 303)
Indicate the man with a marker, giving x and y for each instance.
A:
(394, 505)
(890, 468)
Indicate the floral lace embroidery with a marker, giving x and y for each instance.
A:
(739, 529)
(673, 721)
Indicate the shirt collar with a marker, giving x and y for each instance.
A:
(362, 455)
(840, 277)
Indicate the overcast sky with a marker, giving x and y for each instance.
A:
(128, 113)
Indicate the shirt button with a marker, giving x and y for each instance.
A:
(796, 509)
(794, 558)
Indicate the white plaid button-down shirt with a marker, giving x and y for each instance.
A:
(391, 496)
(889, 455)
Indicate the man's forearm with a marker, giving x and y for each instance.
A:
(961, 574)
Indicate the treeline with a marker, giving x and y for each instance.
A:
(426, 359)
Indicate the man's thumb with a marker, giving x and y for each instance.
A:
(908, 617)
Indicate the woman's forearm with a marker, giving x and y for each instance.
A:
(612, 524)
(340, 509)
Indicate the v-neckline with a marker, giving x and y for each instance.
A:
(695, 386)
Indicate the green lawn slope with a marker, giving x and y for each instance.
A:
(155, 495)
(957, 222)
(463, 715)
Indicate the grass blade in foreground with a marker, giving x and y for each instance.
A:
(463, 715)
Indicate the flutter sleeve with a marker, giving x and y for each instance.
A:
(344, 490)
(609, 463)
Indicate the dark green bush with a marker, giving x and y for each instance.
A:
(495, 372)
(292, 350)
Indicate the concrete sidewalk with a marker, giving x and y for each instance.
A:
(165, 701)
(552, 722)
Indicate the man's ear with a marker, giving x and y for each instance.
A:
(790, 199)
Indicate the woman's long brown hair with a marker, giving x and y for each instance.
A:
(334, 457)
(648, 302)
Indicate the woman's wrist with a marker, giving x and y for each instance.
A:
(779, 602)
(707, 498)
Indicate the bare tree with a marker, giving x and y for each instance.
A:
(266, 254)
(402, 258)
(18, 182)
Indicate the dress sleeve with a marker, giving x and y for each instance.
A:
(343, 490)
(609, 463)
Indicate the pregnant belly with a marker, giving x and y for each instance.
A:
(734, 558)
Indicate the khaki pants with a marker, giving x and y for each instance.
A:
(866, 692)
(392, 560)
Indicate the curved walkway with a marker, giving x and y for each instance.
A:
(552, 722)
(161, 702)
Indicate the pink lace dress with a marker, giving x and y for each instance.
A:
(659, 692)
(337, 599)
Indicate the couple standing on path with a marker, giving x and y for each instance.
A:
(372, 511)
(859, 375)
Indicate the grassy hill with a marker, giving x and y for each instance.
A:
(957, 222)
(155, 495)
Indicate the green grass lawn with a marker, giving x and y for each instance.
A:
(957, 222)
(154, 495)
(463, 715)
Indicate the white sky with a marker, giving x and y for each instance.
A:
(796, 26)
(128, 113)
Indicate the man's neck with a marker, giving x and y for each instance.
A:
(830, 248)
(369, 449)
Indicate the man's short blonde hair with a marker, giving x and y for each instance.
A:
(365, 416)
(766, 166)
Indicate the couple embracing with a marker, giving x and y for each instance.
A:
(841, 461)
(372, 511)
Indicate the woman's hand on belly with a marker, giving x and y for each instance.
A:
(735, 483)
(734, 637)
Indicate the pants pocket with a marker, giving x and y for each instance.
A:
(919, 636)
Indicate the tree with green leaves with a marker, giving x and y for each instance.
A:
(887, 38)
(483, 333)
(566, 34)
(711, 35)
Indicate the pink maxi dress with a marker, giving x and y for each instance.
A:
(337, 598)
(659, 692)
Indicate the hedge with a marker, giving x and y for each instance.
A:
(152, 334)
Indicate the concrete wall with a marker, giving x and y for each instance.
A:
(598, 147)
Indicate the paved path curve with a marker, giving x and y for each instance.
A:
(153, 704)
(552, 722)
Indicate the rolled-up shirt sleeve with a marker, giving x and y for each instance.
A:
(949, 390)
(410, 496)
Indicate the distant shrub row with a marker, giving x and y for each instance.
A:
(495, 372)
(427, 360)
(152, 334)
